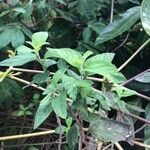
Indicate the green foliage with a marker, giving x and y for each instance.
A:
(80, 86)
(119, 26)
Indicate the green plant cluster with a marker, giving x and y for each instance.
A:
(81, 85)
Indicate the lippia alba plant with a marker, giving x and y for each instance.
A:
(71, 88)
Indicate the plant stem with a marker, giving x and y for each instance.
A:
(112, 11)
(141, 128)
(28, 83)
(52, 73)
(142, 96)
(118, 146)
(27, 70)
(60, 135)
(141, 144)
(128, 61)
(13, 137)
(99, 146)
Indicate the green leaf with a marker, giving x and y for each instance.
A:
(145, 15)
(101, 64)
(72, 57)
(59, 105)
(11, 34)
(97, 26)
(119, 26)
(23, 49)
(145, 78)
(86, 34)
(72, 136)
(18, 60)
(19, 9)
(108, 130)
(60, 129)
(123, 91)
(41, 77)
(85, 87)
(104, 101)
(105, 57)
(4, 13)
(38, 40)
(86, 55)
(70, 85)
(10, 91)
(87, 7)
(43, 111)
(27, 31)
(57, 76)
(48, 62)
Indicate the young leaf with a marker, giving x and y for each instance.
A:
(38, 40)
(18, 60)
(119, 26)
(59, 105)
(71, 56)
(44, 110)
(145, 15)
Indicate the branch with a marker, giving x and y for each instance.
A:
(133, 78)
(70, 100)
(52, 73)
(118, 146)
(28, 83)
(26, 135)
(112, 11)
(60, 135)
(141, 144)
(128, 61)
